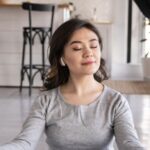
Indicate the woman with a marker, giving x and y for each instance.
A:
(77, 111)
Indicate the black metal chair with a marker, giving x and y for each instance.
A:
(29, 34)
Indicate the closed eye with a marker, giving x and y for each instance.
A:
(93, 47)
(77, 49)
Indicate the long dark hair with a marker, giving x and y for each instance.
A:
(58, 74)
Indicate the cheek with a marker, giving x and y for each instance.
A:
(98, 55)
(98, 58)
(71, 61)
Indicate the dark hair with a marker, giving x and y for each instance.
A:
(58, 74)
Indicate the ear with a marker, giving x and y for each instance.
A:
(62, 62)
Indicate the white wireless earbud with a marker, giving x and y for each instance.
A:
(62, 62)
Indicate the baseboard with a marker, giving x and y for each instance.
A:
(14, 86)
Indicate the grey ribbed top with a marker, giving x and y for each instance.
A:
(82, 127)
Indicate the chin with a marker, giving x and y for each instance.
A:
(91, 72)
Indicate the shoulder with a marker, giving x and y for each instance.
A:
(49, 93)
(45, 98)
(116, 103)
(114, 94)
(114, 98)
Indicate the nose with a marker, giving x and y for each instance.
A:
(88, 52)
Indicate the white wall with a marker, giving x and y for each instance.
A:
(85, 9)
(119, 31)
(119, 68)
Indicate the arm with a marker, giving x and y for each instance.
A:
(125, 134)
(32, 128)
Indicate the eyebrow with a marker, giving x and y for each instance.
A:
(73, 42)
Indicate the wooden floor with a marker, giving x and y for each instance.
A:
(14, 108)
(130, 87)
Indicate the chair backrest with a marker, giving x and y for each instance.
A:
(39, 7)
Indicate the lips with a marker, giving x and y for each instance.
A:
(88, 62)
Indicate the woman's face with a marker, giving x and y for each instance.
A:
(82, 53)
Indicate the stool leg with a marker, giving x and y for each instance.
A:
(43, 55)
(22, 64)
(30, 67)
(43, 61)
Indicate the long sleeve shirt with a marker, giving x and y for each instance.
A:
(78, 127)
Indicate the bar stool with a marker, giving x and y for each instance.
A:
(29, 34)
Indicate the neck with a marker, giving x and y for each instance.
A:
(81, 85)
